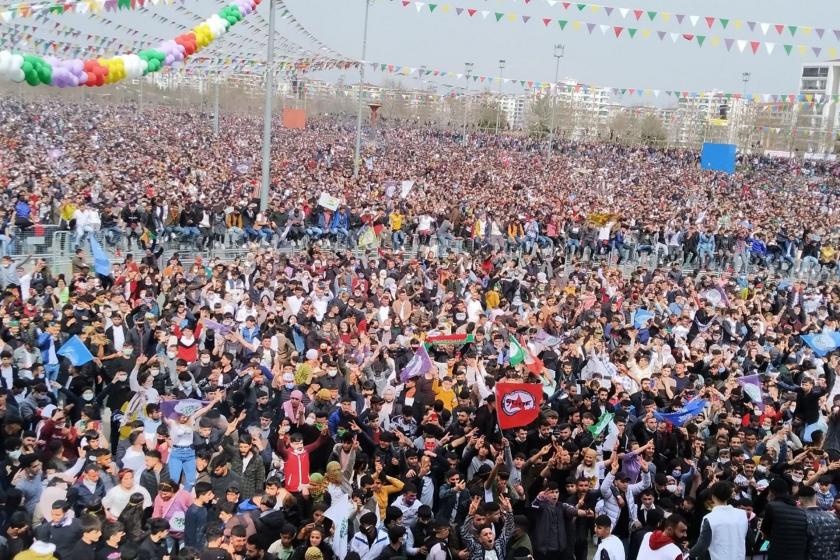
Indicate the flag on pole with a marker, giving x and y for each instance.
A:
(101, 262)
(683, 415)
(419, 364)
(339, 513)
(517, 353)
(822, 343)
(751, 385)
(75, 351)
(534, 364)
(604, 421)
(518, 404)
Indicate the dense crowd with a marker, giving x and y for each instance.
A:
(277, 406)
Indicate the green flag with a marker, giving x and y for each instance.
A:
(604, 421)
(517, 353)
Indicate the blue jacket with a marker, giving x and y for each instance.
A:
(195, 525)
(340, 220)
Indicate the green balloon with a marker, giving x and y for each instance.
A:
(45, 74)
(32, 78)
(26, 66)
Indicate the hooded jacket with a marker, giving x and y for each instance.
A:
(659, 546)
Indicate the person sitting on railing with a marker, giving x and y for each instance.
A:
(87, 222)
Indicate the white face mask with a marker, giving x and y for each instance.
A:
(171, 354)
(127, 352)
(797, 478)
(672, 488)
(186, 386)
(88, 395)
(285, 429)
(310, 420)
(155, 372)
(332, 372)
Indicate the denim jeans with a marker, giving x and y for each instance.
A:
(182, 459)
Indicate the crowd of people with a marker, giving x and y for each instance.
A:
(279, 405)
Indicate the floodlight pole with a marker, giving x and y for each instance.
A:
(469, 68)
(501, 79)
(216, 108)
(269, 91)
(357, 156)
(559, 51)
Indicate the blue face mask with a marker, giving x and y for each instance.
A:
(290, 385)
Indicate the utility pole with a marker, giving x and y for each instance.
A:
(216, 107)
(559, 51)
(501, 79)
(745, 77)
(357, 159)
(469, 68)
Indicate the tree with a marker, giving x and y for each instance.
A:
(487, 112)
(652, 131)
(538, 119)
(623, 127)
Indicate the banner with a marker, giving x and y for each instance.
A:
(181, 407)
(716, 296)
(822, 343)
(75, 351)
(218, 327)
(450, 339)
(683, 415)
(419, 365)
(518, 404)
(328, 202)
(751, 384)
(641, 317)
(405, 188)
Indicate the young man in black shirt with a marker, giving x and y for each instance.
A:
(85, 549)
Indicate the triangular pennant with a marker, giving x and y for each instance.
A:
(617, 31)
(688, 36)
(432, 7)
(754, 45)
(623, 12)
(816, 51)
(562, 23)
(788, 48)
(765, 27)
(525, 19)
(485, 13)
(661, 34)
(632, 32)
(710, 21)
(499, 16)
(546, 21)
(700, 39)
(581, 7)
(675, 37)
(779, 28)
(590, 27)
(769, 47)
(419, 6)
(820, 32)
(680, 17)
(604, 28)
(651, 15)
(471, 11)
(742, 45)
(694, 20)
(792, 29)
(459, 11)
(638, 14)
(609, 10)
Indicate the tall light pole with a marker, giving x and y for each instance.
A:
(269, 92)
(216, 107)
(559, 51)
(742, 116)
(469, 68)
(501, 79)
(357, 158)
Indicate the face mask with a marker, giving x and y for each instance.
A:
(332, 372)
(672, 488)
(154, 372)
(186, 386)
(676, 473)
(15, 455)
(205, 360)
(127, 352)
(310, 421)
(290, 385)
(723, 461)
(761, 469)
(88, 396)
(797, 478)
(171, 354)
(284, 429)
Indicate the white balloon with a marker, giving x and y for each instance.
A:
(18, 76)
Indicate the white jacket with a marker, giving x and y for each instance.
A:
(610, 503)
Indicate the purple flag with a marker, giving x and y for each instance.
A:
(218, 327)
(419, 365)
(181, 407)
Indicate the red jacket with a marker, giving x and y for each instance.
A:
(296, 469)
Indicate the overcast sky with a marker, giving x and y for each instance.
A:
(399, 35)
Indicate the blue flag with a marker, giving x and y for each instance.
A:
(641, 317)
(101, 263)
(75, 351)
(683, 415)
(822, 343)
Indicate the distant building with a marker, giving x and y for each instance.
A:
(817, 122)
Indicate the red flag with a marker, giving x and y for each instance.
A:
(518, 404)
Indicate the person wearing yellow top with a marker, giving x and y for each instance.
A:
(397, 236)
(382, 491)
(445, 393)
(828, 255)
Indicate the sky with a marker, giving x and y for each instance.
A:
(403, 36)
